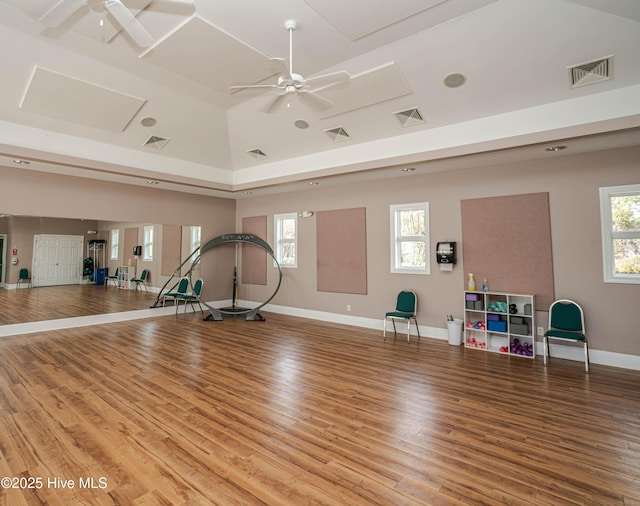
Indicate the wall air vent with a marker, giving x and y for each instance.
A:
(409, 117)
(257, 153)
(338, 134)
(156, 142)
(591, 72)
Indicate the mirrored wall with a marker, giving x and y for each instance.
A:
(71, 265)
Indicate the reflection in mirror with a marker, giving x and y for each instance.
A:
(85, 267)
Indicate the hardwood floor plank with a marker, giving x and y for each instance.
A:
(175, 410)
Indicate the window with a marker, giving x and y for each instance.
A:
(147, 248)
(410, 238)
(115, 244)
(286, 232)
(620, 215)
(195, 241)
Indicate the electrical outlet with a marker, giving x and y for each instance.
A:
(348, 307)
(541, 331)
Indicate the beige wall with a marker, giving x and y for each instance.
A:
(31, 193)
(572, 182)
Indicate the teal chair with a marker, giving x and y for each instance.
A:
(24, 277)
(191, 297)
(113, 279)
(566, 323)
(176, 292)
(406, 309)
(142, 280)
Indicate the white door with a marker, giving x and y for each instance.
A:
(57, 260)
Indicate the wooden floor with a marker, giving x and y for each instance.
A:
(53, 302)
(176, 410)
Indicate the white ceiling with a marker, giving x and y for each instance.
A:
(72, 98)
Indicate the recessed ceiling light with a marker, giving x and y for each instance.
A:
(148, 121)
(553, 149)
(454, 80)
(301, 124)
(21, 162)
(408, 169)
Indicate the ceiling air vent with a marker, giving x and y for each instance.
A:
(156, 142)
(409, 117)
(591, 72)
(338, 134)
(257, 153)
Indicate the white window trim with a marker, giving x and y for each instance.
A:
(394, 243)
(195, 240)
(608, 235)
(115, 244)
(276, 233)
(147, 247)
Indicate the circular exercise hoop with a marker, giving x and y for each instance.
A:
(251, 313)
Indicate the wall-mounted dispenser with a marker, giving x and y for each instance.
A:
(446, 253)
(137, 251)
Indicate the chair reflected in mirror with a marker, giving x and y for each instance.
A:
(24, 278)
(142, 280)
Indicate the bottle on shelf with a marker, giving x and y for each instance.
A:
(472, 283)
(485, 288)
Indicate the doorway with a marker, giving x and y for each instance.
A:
(57, 260)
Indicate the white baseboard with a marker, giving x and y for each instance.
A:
(556, 350)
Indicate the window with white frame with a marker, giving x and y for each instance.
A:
(115, 244)
(147, 247)
(410, 238)
(195, 240)
(286, 239)
(620, 216)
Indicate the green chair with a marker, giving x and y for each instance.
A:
(406, 309)
(566, 323)
(113, 279)
(142, 280)
(191, 297)
(176, 292)
(24, 277)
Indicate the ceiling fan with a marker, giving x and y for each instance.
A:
(292, 85)
(124, 18)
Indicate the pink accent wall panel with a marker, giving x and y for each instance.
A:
(342, 251)
(254, 259)
(171, 246)
(507, 240)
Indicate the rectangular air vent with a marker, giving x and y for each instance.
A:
(591, 72)
(257, 153)
(338, 134)
(156, 142)
(409, 117)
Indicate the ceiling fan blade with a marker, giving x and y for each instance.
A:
(277, 103)
(247, 86)
(328, 79)
(129, 23)
(60, 12)
(315, 101)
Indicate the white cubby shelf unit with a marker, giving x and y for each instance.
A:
(500, 322)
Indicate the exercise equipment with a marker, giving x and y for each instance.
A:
(233, 311)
